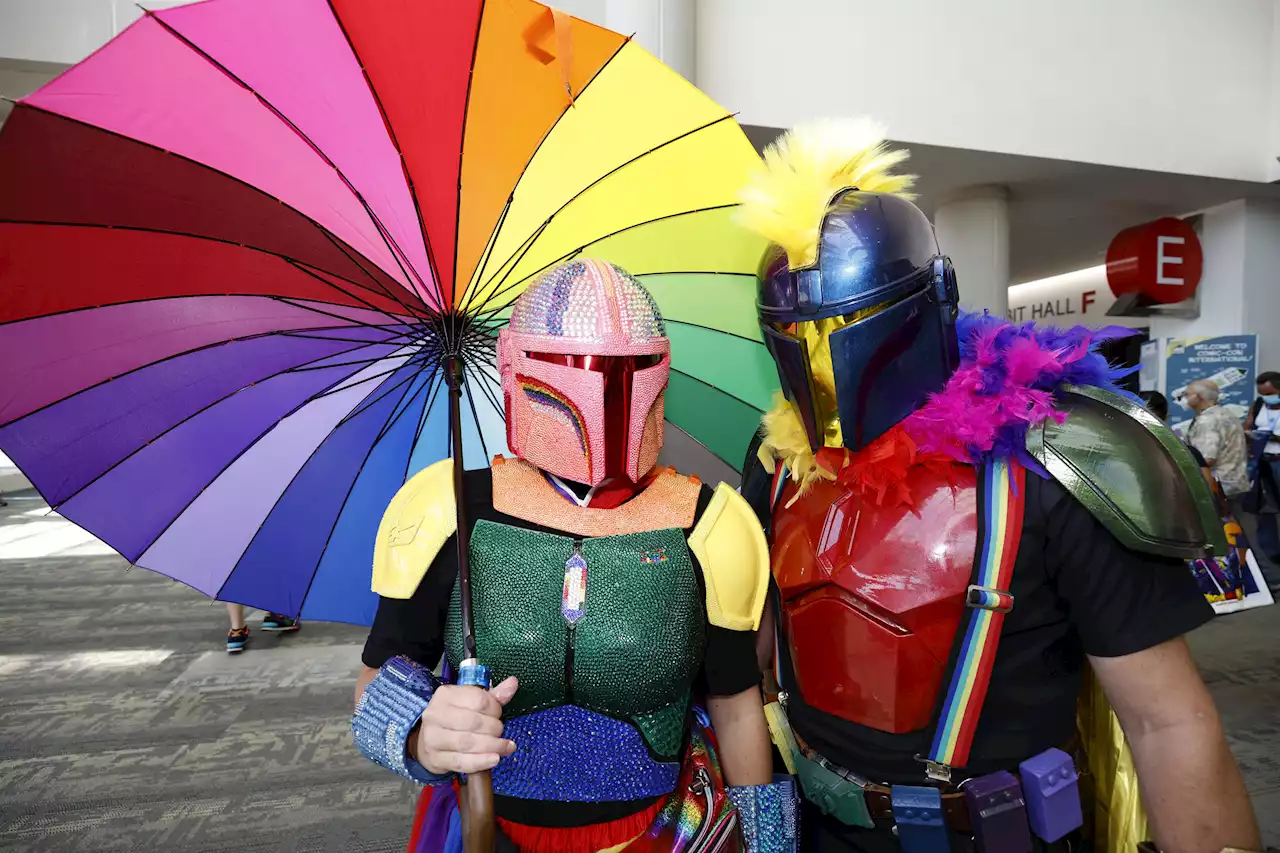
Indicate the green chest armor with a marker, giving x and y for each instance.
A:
(613, 624)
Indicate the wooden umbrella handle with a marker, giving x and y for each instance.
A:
(477, 813)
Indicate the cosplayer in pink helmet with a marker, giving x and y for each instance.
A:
(584, 365)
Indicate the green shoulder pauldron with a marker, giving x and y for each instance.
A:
(1131, 472)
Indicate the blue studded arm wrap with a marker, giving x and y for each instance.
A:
(385, 716)
(768, 816)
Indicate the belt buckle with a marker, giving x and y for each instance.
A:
(846, 775)
(988, 598)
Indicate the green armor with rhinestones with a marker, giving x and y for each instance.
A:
(627, 645)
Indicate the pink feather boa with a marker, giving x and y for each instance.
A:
(1004, 386)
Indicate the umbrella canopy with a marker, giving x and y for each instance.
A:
(238, 243)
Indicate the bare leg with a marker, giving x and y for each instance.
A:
(236, 612)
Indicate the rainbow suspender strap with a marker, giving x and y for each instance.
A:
(1001, 499)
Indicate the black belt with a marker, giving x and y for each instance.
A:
(879, 797)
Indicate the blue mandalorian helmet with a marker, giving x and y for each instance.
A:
(866, 332)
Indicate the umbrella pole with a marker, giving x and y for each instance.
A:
(477, 790)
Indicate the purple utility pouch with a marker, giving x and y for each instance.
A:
(998, 813)
(1053, 798)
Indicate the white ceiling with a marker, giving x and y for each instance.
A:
(1062, 214)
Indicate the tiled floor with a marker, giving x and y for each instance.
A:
(124, 726)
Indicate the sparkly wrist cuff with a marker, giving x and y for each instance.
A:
(385, 716)
(768, 816)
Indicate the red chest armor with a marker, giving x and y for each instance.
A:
(872, 597)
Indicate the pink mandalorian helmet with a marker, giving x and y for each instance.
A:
(584, 364)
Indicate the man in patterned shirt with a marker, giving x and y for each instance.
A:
(1219, 437)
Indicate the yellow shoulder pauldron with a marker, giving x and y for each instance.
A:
(420, 519)
(729, 543)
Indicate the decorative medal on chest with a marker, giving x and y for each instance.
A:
(573, 602)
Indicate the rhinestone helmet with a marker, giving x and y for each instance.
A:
(584, 365)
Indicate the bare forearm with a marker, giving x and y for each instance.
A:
(1195, 798)
(367, 674)
(743, 735)
(1192, 788)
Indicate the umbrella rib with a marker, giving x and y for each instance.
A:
(381, 327)
(410, 274)
(395, 143)
(485, 256)
(494, 234)
(730, 394)
(364, 362)
(206, 167)
(191, 236)
(364, 302)
(343, 508)
(365, 403)
(701, 444)
(573, 252)
(189, 417)
(406, 402)
(276, 504)
(387, 340)
(462, 146)
(487, 386)
(254, 336)
(437, 384)
(475, 416)
(234, 459)
(615, 170)
(712, 329)
(486, 315)
(391, 292)
(335, 390)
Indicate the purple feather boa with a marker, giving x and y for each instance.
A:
(1005, 385)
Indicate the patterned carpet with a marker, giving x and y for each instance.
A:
(125, 726)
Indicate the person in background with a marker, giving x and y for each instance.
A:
(1268, 385)
(1156, 404)
(1263, 425)
(238, 636)
(1219, 437)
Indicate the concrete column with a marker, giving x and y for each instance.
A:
(665, 28)
(973, 229)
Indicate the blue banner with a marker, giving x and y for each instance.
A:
(1229, 361)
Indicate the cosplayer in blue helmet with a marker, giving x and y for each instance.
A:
(878, 292)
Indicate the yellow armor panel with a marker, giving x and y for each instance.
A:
(420, 519)
(730, 545)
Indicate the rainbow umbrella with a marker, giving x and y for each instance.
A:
(242, 242)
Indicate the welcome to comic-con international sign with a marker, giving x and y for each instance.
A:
(1229, 361)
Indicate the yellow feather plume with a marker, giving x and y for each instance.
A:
(785, 440)
(787, 196)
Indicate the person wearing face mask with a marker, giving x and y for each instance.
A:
(1263, 425)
